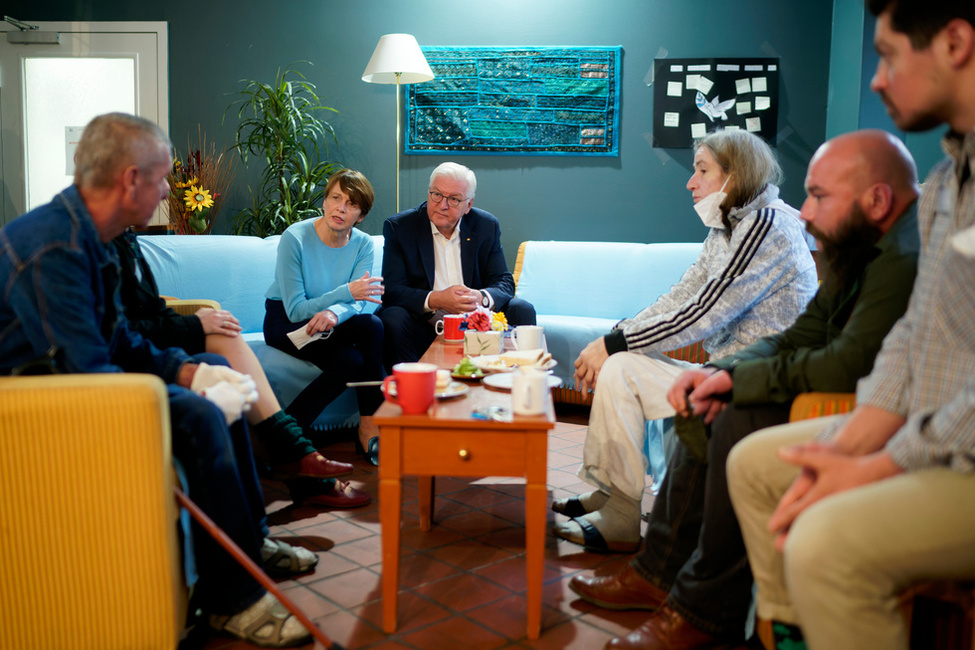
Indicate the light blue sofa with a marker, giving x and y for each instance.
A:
(580, 290)
(236, 271)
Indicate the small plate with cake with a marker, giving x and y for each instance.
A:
(508, 361)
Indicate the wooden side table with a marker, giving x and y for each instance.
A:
(449, 441)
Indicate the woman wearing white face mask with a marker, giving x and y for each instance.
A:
(753, 278)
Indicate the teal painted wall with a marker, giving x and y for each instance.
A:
(638, 196)
(852, 105)
(845, 68)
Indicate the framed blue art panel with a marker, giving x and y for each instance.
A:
(548, 101)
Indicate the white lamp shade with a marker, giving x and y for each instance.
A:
(397, 54)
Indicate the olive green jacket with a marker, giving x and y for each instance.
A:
(835, 340)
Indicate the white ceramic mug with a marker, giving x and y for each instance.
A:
(529, 386)
(527, 337)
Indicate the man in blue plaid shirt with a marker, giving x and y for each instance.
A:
(866, 505)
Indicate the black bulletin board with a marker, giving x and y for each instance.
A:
(692, 97)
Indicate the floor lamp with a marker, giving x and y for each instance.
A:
(397, 59)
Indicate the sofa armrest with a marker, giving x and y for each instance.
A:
(190, 306)
(519, 263)
(815, 405)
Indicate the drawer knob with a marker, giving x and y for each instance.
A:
(464, 454)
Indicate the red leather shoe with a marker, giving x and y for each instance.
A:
(314, 465)
(667, 630)
(341, 495)
(624, 590)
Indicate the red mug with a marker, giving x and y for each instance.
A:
(450, 328)
(415, 385)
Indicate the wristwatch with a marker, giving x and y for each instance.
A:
(485, 300)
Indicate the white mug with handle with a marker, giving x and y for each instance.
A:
(529, 386)
(527, 337)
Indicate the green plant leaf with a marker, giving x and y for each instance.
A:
(280, 127)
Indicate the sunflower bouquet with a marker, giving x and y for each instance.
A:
(196, 185)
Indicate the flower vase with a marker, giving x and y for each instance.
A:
(479, 343)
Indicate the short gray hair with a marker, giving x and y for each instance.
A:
(456, 172)
(112, 142)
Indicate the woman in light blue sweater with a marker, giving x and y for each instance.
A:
(315, 304)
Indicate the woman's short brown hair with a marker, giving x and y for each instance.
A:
(356, 185)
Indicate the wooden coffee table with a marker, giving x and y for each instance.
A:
(448, 441)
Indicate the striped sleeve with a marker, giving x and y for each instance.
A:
(755, 261)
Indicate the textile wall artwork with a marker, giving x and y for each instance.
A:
(520, 101)
(693, 97)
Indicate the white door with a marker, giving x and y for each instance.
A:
(49, 92)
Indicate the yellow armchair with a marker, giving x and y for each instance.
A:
(88, 547)
(815, 405)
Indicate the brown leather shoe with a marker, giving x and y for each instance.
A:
(624, 590)
(666, 630)
(314, 465)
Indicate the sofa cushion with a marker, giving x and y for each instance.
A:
(233, 270)
(566, 336)
(600, 279)
(236, 271)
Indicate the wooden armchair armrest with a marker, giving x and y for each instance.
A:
(189, 306)
(815, 405)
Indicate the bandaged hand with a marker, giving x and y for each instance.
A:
(231, 399)
(207, 375)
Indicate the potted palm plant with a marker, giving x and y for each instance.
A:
(280, 125)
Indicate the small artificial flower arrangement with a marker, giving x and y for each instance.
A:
(195, 187)
(484, 332)
(483, 320)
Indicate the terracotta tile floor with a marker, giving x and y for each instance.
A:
(462, 584)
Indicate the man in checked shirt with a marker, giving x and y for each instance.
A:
(866, 505)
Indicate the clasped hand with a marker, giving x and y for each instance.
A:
(231, 391)
(700, 392)
(826, 470)
(456, 299)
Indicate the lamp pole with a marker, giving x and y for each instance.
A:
(399, 119)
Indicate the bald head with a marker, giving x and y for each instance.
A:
(871, 167)
(858, 185)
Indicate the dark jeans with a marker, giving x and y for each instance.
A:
(409, 335)
(693, 546)
(219, 467)
(353, 352)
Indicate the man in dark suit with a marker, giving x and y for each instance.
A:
(443, 257)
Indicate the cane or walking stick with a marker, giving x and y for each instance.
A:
(231, 547)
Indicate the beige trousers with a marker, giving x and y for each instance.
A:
(849, 555)
(631, 389)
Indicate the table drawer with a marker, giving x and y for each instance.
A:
(464, 453)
